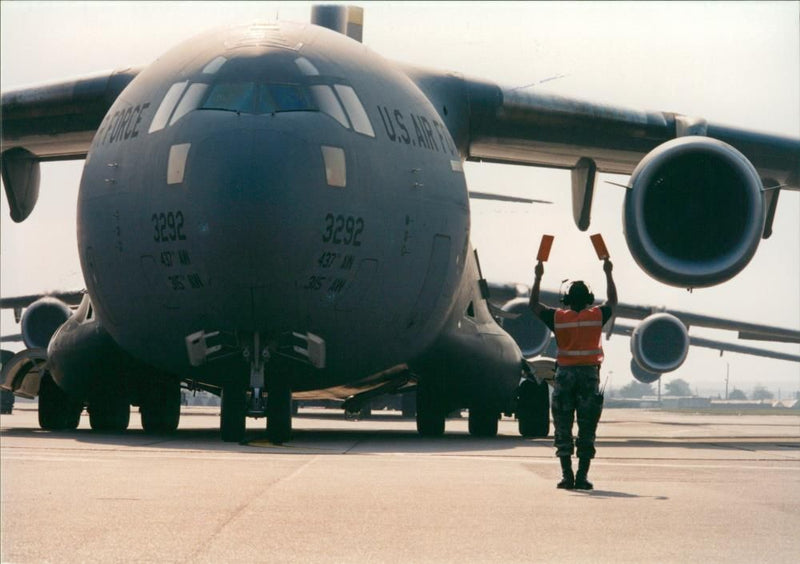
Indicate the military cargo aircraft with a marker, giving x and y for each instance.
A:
(272, 210)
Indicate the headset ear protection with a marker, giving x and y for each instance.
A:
(578, 291)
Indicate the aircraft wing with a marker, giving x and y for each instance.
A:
(58, 120)
(55, 121)
(721, 346)
(681, 167)
(71, 298)
(493, 123)
(746, 330)
(476, 195)
(517, 295)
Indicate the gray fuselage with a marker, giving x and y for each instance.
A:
(236, 186)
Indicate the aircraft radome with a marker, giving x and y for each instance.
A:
(272, 210)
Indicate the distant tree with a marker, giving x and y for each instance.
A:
(677, 387)
(761, 393)
(737, 394)
(636, 390)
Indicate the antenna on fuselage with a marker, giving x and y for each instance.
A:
(347, 20)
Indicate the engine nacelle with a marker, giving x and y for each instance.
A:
(41, 320)
(660, 343)
(643, 375)
(695, 212)
(532, 336)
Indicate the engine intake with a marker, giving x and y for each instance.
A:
(41, 320)
(659, 344)
(532, 336)
(695, 213)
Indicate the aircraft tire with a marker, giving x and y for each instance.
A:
(57, 411)
(110, 413)
(533, 409)
(74, 411)
(430, 413)
(279, 411)
(483, 422)
(161, 409)
(233, 416)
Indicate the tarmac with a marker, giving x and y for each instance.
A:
(669, 487)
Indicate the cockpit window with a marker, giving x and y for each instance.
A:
(231, 96)
(329, 104)
(289, 97)
(355, 109)
(214, 66)
(190, 101)
(339, 101)
(167, 105)
(252, 98)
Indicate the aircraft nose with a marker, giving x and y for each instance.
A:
(256, 188)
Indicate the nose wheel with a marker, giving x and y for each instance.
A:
(234, 410)
(279, 409)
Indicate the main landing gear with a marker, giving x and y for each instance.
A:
(483, 421)
(109, 409)
(57, 410)
(431, 412)
(161, 407)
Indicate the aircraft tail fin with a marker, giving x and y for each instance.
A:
(347, 20)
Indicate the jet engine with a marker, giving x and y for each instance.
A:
(643, 375)
(41, 320)
(532, 336)
(695, 212)
(659, 344)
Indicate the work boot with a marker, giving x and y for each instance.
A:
(581, 483)
(568, 478)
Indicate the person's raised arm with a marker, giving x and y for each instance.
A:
(534, 304)
(611, 288)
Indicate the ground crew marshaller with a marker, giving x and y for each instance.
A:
(578, 330)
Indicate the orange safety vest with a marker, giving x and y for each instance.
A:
(578, 335)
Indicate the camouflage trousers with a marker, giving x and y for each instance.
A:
(576, 389)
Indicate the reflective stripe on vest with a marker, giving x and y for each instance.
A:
(578, 335)
(579, 324)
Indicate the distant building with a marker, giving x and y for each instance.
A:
(685, 402)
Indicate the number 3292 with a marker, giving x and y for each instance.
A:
(343, 230)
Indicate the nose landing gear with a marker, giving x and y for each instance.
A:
(241, 399)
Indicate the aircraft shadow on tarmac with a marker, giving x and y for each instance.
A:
(303, 441)
(358, 439)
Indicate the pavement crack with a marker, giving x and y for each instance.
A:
(240, 509)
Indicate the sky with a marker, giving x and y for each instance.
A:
(733, 63)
